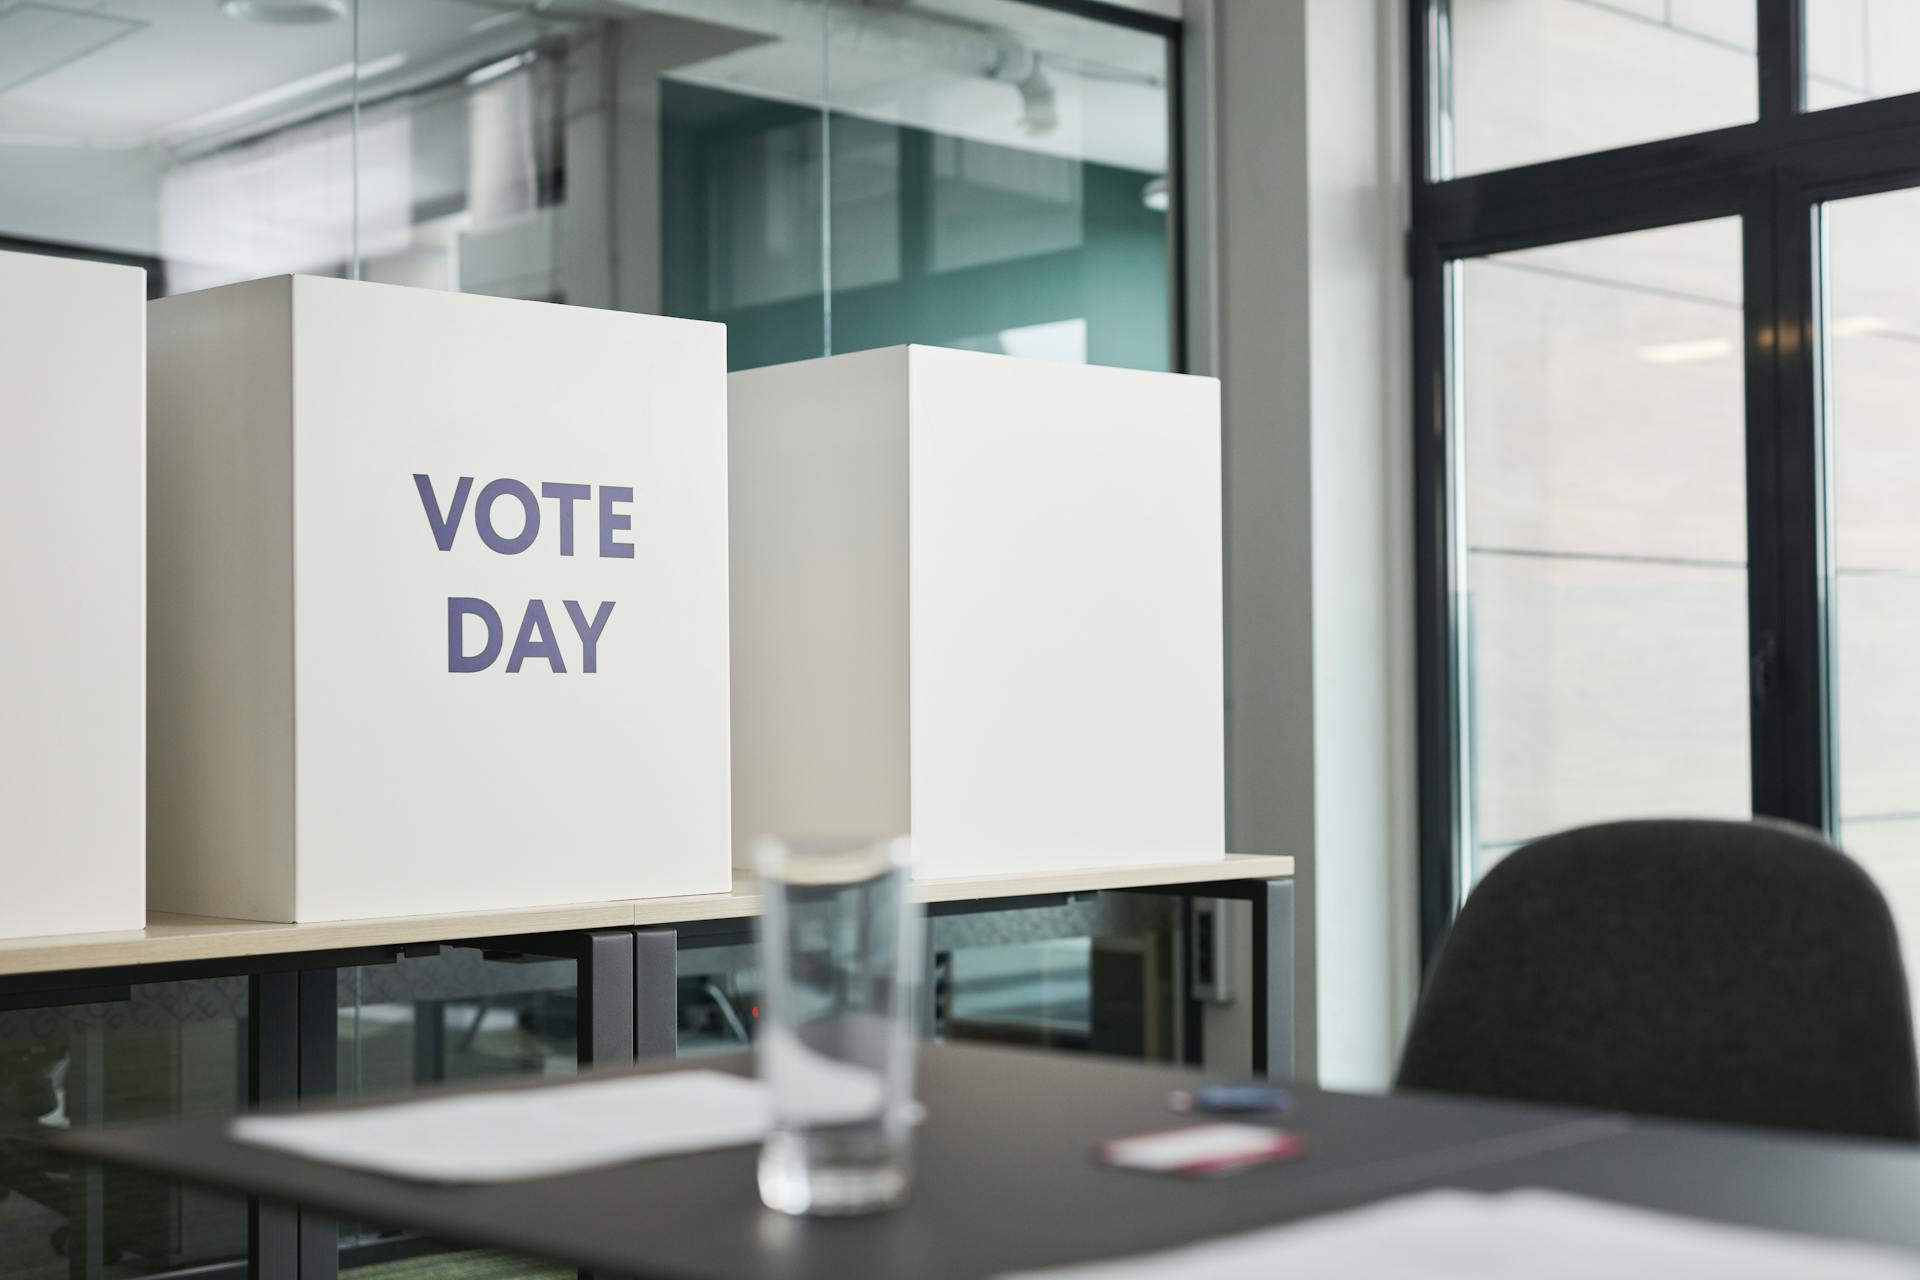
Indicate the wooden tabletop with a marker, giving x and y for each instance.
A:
(169, 938)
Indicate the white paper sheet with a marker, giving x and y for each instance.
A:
(528, 1133)
(1465, 1235)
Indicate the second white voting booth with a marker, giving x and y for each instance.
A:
(978, 599)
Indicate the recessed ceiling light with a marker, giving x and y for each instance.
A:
(285, 13)
(1854, 326)
(1689, 351)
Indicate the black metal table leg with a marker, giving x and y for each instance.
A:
(293, 1040)
(319, 1078)
(656, 993)
(1273, 966)
(430, 1039)
(929, 982)
(607, 986)
(1273, 1007)
(604, 986)
(273, 1044)
(86, 1183)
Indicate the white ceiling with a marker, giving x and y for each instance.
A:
(928, 65)
(189, 60)
(184, 73)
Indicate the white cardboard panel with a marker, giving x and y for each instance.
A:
(530, 780)
(979, 598)
(220, 650)
(1068, 701)
(73, 575)
(818, 504)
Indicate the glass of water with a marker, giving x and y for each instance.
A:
(841, 962)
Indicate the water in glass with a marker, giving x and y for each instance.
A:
(840, 954)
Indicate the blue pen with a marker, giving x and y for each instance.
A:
(1241, 1098)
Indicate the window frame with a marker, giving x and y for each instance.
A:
(1774, 173)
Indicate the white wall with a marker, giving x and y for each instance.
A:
(1298, 301)
(105, 198)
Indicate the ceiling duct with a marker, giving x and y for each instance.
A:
(900, 32)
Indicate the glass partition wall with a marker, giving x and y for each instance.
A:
(821, 175)
(1664, 343)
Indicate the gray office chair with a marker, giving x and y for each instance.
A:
(1728, 971)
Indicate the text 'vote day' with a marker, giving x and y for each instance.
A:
(508, 517)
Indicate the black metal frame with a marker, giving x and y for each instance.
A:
(1773, 173)
(292, 1043)
(1114, 15)
(1273, 996)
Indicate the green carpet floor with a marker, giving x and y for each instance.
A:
(459, 1266)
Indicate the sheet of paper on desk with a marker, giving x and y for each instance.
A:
(527, 1133)
(560, 1128)
(1466, 1235)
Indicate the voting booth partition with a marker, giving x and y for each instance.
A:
(978, 599)
(439, 614)
(72, 572)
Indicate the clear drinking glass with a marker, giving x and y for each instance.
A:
(840, 958)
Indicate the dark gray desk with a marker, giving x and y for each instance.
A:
(1852, 1189)
(1005, 1180)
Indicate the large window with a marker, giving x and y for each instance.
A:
(1606, 597)
(1859, 49)
(1871, 318)
(1665, 341)
(1536, 79)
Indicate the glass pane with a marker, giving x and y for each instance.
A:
(1090, 976)
(1604, 487)
(170, 1049)
(1535, 80)
(459, 1015)
(976, 173)
(1872, 350)
(1094, 977)
(999, 182)
(177, 138)
(719, 992)
(656, 157)
(1859, 49)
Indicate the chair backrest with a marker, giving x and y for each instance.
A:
(1730, 971)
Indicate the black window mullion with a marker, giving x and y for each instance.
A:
(1805, 708)
(1441, 765)
(1786, 523)
(1781, 55)
(1439, 761)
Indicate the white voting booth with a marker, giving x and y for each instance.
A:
(978, 599)
(439, 603)
(72, 574)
